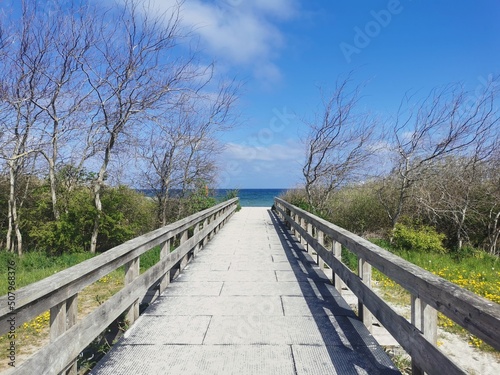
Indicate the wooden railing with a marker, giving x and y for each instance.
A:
(429, 293)
(59, 293)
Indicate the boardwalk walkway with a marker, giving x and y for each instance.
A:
(251, 302)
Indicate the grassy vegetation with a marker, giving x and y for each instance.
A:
(34, 266)
(149, 259)
(419, 238)
(475, 271)
(60, 246)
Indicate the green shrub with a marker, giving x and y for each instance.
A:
(349, 259)
(422, 239)
(71, 233)
(357, 209)
(126, 214)
(230, 194)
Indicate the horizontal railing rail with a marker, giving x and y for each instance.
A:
(429, 292)
(59, 292)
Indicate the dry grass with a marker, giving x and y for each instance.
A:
(33, 335)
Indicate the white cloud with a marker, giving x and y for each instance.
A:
(242, 33)
(291, 151)
(262, 166)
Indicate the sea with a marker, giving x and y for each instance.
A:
(248, 197)
(253, 197)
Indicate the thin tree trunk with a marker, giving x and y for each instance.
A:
(494, 233)
(13, 218)
(97, 220)
(53, 189)
(11, 207)
(97, 191)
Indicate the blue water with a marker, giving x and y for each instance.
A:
(248, 197)
(254, 197)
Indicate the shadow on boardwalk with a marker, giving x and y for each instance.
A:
(351, 348)
(251, 302)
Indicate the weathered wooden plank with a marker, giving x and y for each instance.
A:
(205, 239)
(428, 356)
(57, 320)
(476, 314)
(185, 259)
(337, 253)
(71, 319)
(365, 274)
(165, 280)
(321, 241)
(309, 227)
(303, 225)
(66, 347)
(198, 245)
(132, 270)
(38, 297)
(424, 317)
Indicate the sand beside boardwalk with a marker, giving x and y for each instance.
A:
(472, 360)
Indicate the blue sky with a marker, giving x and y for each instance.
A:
(286, 49)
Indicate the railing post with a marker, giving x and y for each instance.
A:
(289, 224)
(131, 273)
(321, 241)
(297, 221)
(165, 280)
(424, 318)
(310, 232)
(71, 317)
(185, 258)
(217, 227)
(57, 320)
(365, 273)
(303, 226)
(197, 247)
(62, 317)
(221, 224)
(337, 253)
(205, 239)
(214, 231)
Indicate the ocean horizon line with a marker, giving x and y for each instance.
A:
(249, 197)
(255, 188)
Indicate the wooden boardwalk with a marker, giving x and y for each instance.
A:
(251, 302)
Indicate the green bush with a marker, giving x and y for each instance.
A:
(297, 197)
(71, 233)
(422, 239)
(126, 214)
(230, 194)
(357, 209)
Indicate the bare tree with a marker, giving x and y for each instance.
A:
(132, 71)
(337, 145)
(493, 199)
(445, 123)
(451, 192)
(182, 147)
(62, 38)
(20, 86)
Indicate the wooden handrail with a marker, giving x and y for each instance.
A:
(429, 292)
(58, 293)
